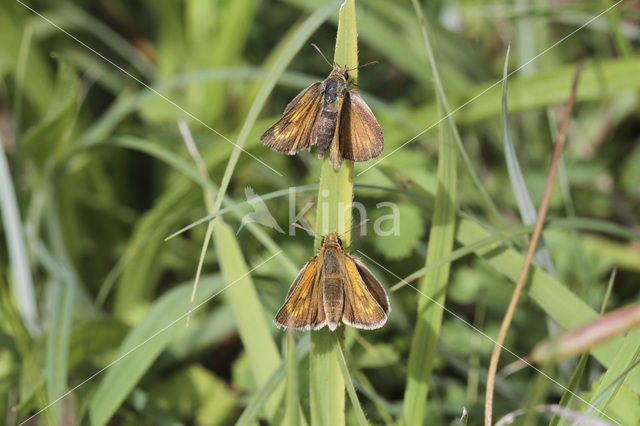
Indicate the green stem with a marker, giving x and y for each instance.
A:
(335, 194)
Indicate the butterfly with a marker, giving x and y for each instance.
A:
(330, 115)
(332, 286)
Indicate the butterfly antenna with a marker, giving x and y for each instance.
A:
(354, 227)
(365, 65)
(310, 231)
(322, 54)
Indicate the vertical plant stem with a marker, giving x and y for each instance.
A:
(535, 237)
(291, 415)
(334, 215)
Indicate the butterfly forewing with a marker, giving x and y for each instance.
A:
(361, 309)
(292, 132)
(303, 308)
(360, 134)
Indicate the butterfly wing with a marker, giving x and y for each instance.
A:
(360, 134)
(293, 131)
(373, 285)
(361, 308)
(303, 308)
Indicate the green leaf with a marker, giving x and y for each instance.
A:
(57, 345)
(22, 279)
(525, 205)
(258, 400)
(142, 346)
(380, 355)
(397, 236)
(251, 320)
(50, 135)
(72, 18)
(194, 392)
(610, 382)
(351, 390)
(545, 88)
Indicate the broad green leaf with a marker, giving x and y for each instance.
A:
(144, 343)
(398, 234)
(194, 392)
(251, 320)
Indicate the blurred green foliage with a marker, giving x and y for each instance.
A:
(101, 176)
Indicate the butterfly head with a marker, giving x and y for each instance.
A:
(331, 239)
(340, 72)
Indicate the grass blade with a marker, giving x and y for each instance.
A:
(351, 390)
(588, 335)
(57, 344)
(70, 15)
(523, 199)
(141, 347)
(254, 332)
(526, 265)
(21, 270)
(252, 409)
(572, 387)
(429, 318)
(605, 393)
(545, 88)
(253, 327)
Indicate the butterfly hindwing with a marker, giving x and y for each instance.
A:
(292, 132)
(373, 285)
(360, 134)
(361, 309)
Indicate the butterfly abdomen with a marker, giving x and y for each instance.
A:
(333, 296)
(324, 130)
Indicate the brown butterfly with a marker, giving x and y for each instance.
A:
(331, 286)
(327, 113)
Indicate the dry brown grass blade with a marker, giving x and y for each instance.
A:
(535, 237)
(583, 338)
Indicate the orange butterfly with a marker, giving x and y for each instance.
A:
(330, 115)
(334, 285)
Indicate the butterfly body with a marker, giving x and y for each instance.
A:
(334, 286)
(324, 128)
(331, 282)
(330, 115)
